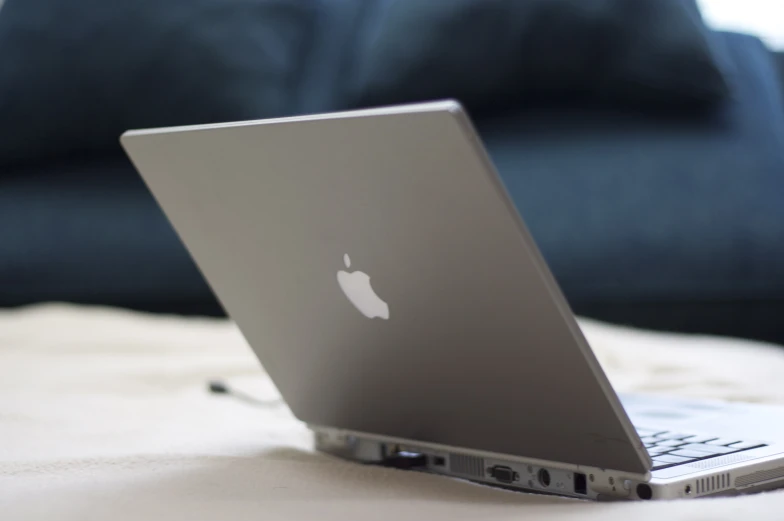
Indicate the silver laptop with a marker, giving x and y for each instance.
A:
(376, 265)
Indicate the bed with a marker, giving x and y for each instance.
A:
(105, 414)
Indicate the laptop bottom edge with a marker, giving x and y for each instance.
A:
(765, 472)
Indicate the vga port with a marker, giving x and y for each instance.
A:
(503, 474)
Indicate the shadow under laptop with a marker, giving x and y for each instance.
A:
(293, 475)
(288, 483)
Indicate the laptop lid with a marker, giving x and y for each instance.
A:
(385, 280)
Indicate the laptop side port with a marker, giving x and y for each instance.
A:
(543, 476)
(503, 474)
(644, 491)
(402, 459)
(580, 484)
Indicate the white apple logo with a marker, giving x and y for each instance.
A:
(356, 286)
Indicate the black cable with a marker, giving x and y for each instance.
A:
(221, 387)
(217, 387)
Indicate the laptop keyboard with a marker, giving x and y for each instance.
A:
(668, 448)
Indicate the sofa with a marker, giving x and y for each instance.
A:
(644, 150)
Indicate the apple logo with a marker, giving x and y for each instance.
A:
(356, 286)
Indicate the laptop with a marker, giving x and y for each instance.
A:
(379, 270)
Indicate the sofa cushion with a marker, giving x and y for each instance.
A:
(89, 231)
(655, 211)
(488, 52)
(76, 74)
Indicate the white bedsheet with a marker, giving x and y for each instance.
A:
(104, 415)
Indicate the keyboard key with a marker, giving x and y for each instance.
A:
(666, 460)
(701, 439)
(673, 435)
(743, 445)
(658, 465)
(671, 443)
(692, 454)
(655, 451)
(650, 439)
(708, 449)
(649, 445)
(723, 441)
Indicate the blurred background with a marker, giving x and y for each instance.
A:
(642, 140)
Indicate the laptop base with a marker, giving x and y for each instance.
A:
(517, 474)
(533, 476)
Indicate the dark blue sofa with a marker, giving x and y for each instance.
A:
(659, 207)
